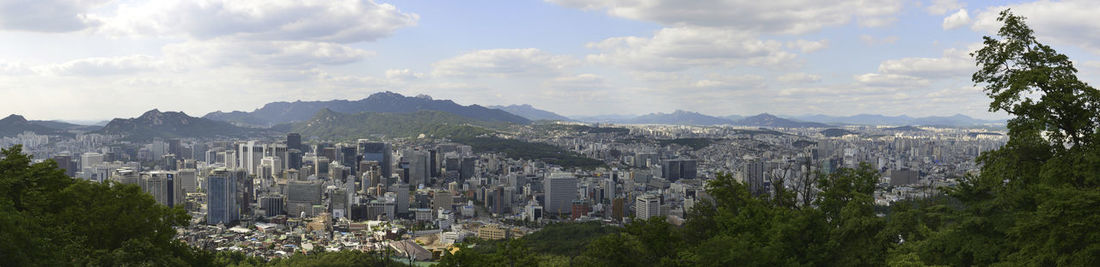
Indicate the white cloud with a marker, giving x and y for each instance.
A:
(341, 21)
(14, 68)
(47, 15)
(679, 48)
(958, 19)
(102, 66)
(731, 82)
(1069, 22)
(263, 54)
(503, 63)
(403, 74)
(872, 41)
(808, 46)
(584, 81)
(785, 17)
(799, 77)
(953, 64)
(889, 80)
(940, 7)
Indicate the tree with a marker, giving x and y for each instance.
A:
(1017, 69)
(1034, 201)
(64, 221)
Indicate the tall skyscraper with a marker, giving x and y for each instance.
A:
(466, 171)
(419, 169)
(754, 176)
(380, 152)
(294, 141)
(560, 191)
(221, 197)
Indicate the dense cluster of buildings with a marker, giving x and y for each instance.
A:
(281, 195)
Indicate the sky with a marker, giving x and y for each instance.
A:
(102, 59)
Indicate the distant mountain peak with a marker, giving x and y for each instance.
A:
(151, 114)
(14, 118)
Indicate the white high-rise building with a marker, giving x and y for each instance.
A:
(646, 206)
(163, 187)
(560, 191)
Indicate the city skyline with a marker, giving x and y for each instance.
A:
(97, 60)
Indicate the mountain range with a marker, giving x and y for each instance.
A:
(331, 125)
(13, 125)
(957, 120)
(532, 113)
(157, 124)
(393, 114)
(681, 117)
(288, 112)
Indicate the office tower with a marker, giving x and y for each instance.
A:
(221, 197)
(294, 141)
(560, 190)
(379, 152)
(65, 161)
(754, 176)
(675, 169)
(349, 157)
(188, 180)
(90, 159)
(435, 158)
(245, 194)
(273, 205)
(442, 200)
(170, 162)
(339, 172)
(401, 197)
(270, 167)
(301, 196)
(466, 171)
(163, 187)
(371, 175)
(294, 159)
(175, 147)
(418, 167)
(609, 189)
(904, 177)
(646, 206)
(249, 155)
(198, 152)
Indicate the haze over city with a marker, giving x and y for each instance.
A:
(97, 60)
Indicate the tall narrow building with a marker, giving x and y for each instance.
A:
(221, 197)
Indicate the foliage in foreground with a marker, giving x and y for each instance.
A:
(1035, 203)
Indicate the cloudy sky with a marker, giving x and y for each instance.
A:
(99, 59)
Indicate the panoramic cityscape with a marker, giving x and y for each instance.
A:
(549, 133)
